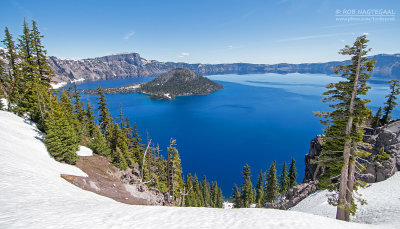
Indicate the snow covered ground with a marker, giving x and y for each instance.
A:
(383, 206)
(33, 195)
(58, 85)
(84, 151)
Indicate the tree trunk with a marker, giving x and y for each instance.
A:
(350, 188)
(343, 205)
(341, 208)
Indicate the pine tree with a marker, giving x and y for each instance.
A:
(3, 78)
(284, 181)
(219, 197)
(99, 144)
(174, 171)
(189, 198)
(260, 189)
(344, 132)
(391, 101)
(105, 119)
(237, 198)
(206, 192)
(78, 107)
(271, 187)
(89, 117)
(137, 146)
(120, 150)
(61, 137)
(377, 119)
(45, 73)
(247, 187)
(68, 109)
(10, 85)
(381, 156)
(292, 174)
(214, 194)
(199, 202)
(29, 78)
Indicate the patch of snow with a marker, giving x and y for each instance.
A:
(77, 80)
(84, 151)
(33, 195)
(94, 186)
(383, 204)
(4, 102)
(133, 86)
(227, 205)
(167, 95)
(58, 85)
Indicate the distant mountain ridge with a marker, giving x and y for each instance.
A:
(127, 65)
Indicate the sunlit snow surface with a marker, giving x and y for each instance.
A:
(84, 151)
(383, 206)
(32, 195)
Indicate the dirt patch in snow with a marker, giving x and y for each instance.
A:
(103, 181)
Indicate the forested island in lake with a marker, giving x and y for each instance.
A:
(176, 82)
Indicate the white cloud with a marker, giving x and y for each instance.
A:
(184, 54)
(311, 37)
(129, 35)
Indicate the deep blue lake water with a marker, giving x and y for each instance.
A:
(255, 119)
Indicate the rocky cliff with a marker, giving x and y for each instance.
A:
(387, 136)
(128, 65)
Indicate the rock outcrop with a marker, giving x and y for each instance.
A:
(126, 65)
(294, 196)
(387, 136)
(107, 180)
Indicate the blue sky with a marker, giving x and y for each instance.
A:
(275, 31)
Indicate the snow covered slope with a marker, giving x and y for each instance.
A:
(383, 206)
(32, 195)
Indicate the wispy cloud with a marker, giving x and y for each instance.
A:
(343, 25)
(310, 37)
(184, 54)
(249, 13)
(129, 35)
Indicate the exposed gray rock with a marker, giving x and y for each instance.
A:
(387, 136)
(294, 196)
(312, 170)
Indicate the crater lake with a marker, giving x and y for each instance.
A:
(255, 119)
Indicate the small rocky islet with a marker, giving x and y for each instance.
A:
(176, 82)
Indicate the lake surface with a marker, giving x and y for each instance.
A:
(255, 119)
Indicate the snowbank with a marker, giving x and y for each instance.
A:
(34, 196)
(58, 85)
(4, 102)
(383, 206)
(84, 151)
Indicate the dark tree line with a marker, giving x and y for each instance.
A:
(269, 187)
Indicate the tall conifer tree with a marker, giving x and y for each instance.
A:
(247, 187)
(260, 189)
(284, 181)
(10, 85)
(271, 186)
(105, 120)
(391, 101)
(237, 198)
(292, 174)
(344, 128)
